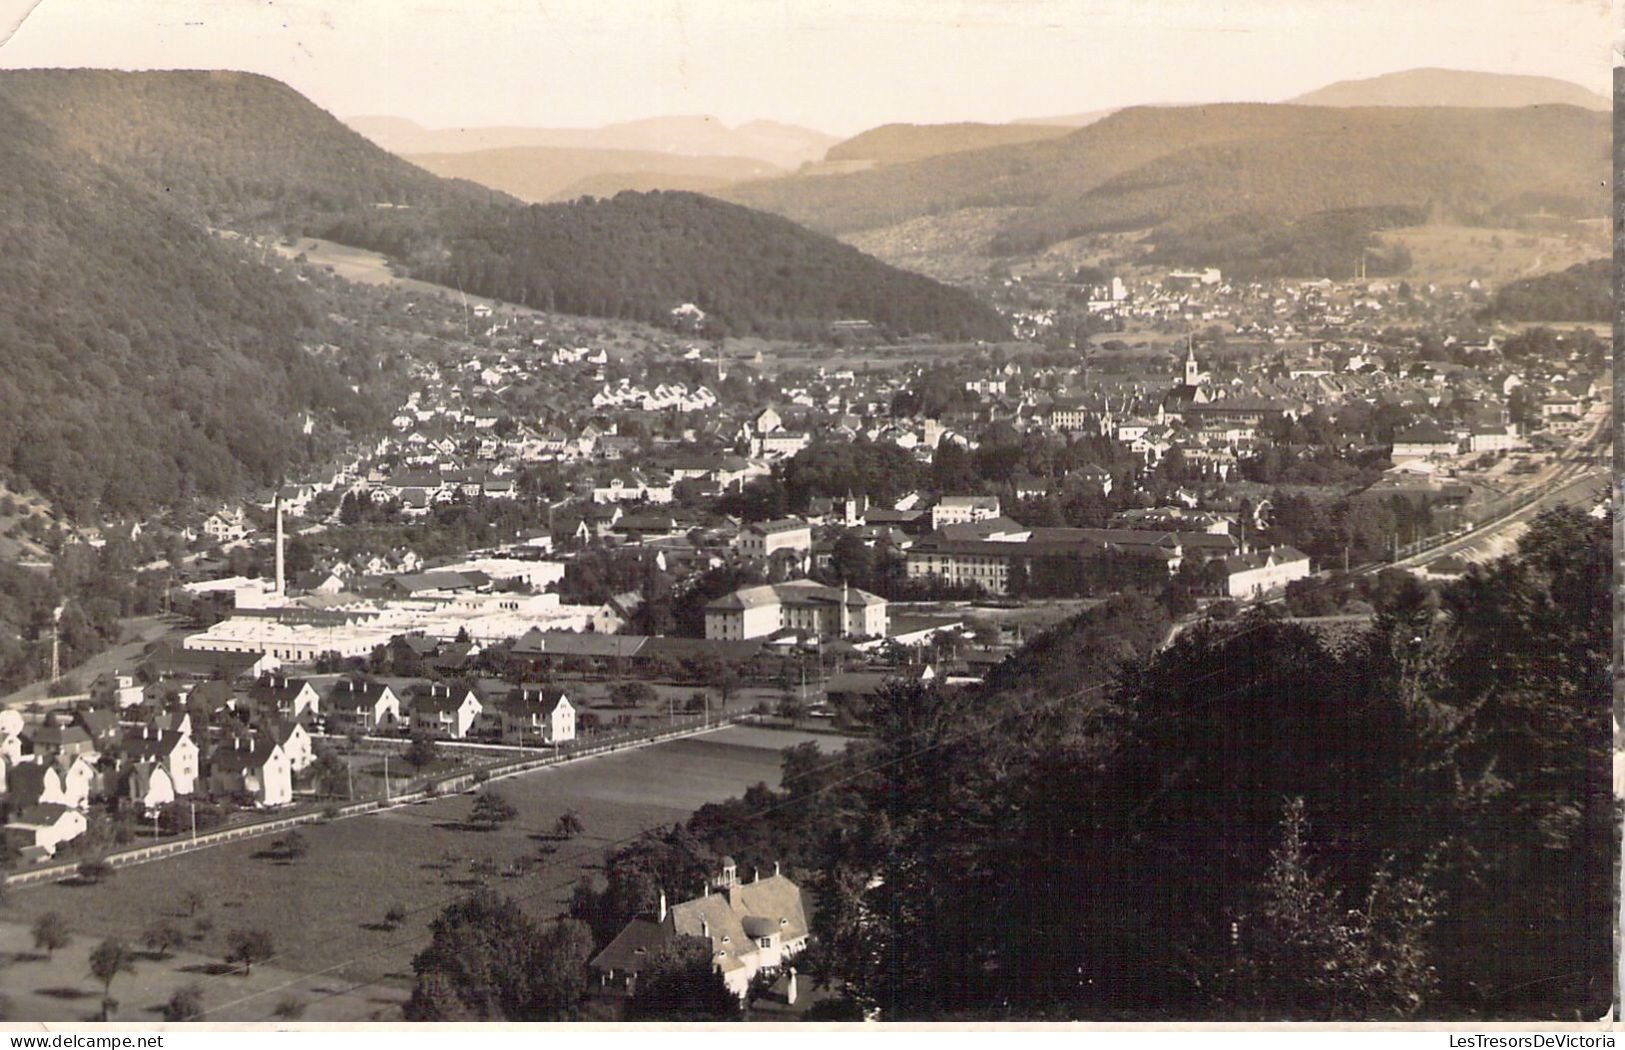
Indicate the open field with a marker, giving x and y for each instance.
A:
(60, 988)
(1458, 254)
(325, 910)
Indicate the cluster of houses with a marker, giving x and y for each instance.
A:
(145, 744)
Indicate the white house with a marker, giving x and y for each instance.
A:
(116, 689)
(447, 711)
(33, 784)
(538, 714)
(38, 830)
(150, 786)
(286, 697)
(1423, 442)
(294, 739)
(1494, 439)
(367, 706)
(78, 778)
(960, 510)
(255, 768)
(226, 526)
(175, 751)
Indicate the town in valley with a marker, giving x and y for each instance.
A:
(486, 646)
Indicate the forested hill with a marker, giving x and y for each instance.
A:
(233, 148)
(1583, 292)
(1165, 168)
(637, 255)
(239, 150)
(141, 359)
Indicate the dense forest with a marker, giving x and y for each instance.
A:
(232, 149)
(1257, 822)
(638, 255)
(1155, 167)
(142, 360)
(1583, 292)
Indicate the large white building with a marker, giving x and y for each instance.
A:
(299, 635)
(1255, 575)
(1423, 441)
(1495, 439)
(760, 539)
(962, 510)
(803, 605)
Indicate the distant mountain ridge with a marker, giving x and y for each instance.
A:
(1411, 87)
(902, 143)
(539, 174)
(781, 145)
(1454, 87)
(1171, 167)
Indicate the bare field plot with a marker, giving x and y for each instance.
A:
(1457, 254)
(325, 910)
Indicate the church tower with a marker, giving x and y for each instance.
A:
(1193, 372)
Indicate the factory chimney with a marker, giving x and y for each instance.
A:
(281, 583)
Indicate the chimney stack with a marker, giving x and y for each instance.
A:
(281, 583)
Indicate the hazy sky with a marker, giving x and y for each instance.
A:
(836, 65)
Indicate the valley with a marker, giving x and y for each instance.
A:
(753, 552)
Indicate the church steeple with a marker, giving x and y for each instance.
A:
(1193, 372)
